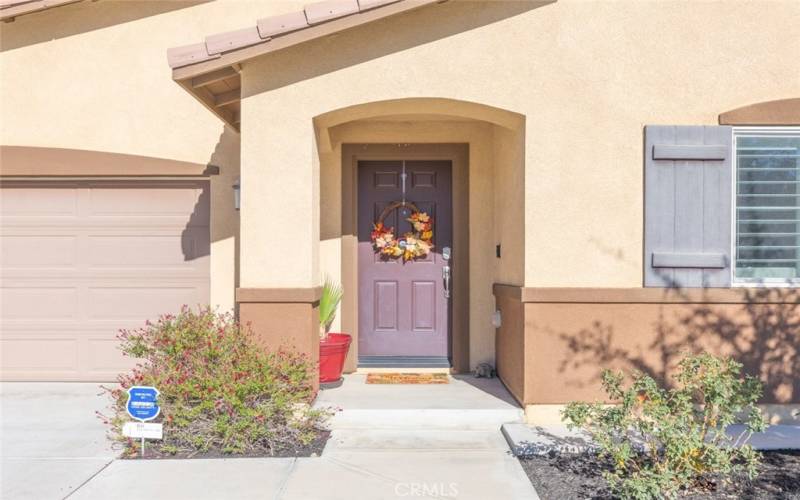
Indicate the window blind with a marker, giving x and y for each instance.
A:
(767, 205)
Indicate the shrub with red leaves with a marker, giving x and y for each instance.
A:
(219, 391)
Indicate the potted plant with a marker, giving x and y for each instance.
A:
(333, 347)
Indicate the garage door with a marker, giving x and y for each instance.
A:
(80, 260)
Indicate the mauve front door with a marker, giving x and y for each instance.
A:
(403, 310)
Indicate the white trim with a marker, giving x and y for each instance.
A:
(751, 131)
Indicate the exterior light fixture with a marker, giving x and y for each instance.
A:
(497, 319)
(237, 194)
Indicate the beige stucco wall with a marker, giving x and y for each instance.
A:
(587, 76)
(584, 76)
(600, 71)
(93, 76)
(509, 205)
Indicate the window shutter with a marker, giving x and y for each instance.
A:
(687, 198)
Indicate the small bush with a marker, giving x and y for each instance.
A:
(661, 441)
(219, 391)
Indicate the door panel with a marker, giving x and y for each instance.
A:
(402, 307)
(386, 306)
(423, 301)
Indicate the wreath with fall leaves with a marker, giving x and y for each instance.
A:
(411, 245)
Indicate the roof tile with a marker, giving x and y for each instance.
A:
(267, 28)
(278, 25)
(9, 9)
(188, 54)
(4, 4)
(232, 40)
(331, 9)
(371, 4)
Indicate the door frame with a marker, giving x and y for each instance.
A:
(458, 155)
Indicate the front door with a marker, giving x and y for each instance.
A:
(403, 306)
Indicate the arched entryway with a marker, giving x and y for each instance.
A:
(475, 153)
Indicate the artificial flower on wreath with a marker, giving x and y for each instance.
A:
(411, 245)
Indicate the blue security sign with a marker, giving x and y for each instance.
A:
(142, 404)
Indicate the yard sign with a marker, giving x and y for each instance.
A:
(143, 406)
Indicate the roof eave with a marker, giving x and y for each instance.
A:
(194, 77)
(207, 99)
(297, 37)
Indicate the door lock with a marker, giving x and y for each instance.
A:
(446, 271)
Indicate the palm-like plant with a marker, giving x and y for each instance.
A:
(328, 303)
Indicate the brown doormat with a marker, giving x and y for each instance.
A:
(408, 378)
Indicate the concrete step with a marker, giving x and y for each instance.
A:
(365, 440)
(425, 418)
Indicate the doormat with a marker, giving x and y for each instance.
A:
(408, 378)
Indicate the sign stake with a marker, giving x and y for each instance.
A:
(143, 406)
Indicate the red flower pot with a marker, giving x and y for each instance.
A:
(332, 353)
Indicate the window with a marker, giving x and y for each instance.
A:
(767, 205)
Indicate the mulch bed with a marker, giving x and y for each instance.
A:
(565, 476)
(314, 449)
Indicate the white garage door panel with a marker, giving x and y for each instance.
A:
(40, 202)
(142, 252)
(39, 356)
(125, 303)
(81, 260)
(35, 303)
(33, 251)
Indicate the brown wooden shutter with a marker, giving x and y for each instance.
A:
(688, 207)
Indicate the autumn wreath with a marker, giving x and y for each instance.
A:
(411, 245)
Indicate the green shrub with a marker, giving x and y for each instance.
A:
(661, 441)
(219, 391)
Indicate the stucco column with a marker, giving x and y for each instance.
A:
(279, 275)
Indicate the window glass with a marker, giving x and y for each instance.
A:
(768, 206)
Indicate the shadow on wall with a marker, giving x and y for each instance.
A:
(214, 216)
(81, 17)
(763, 333)
(194, 241)
(387, 36)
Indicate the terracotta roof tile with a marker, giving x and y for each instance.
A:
(4, 4)
(325, 11)
(209, 70)
(267, 28)
(188, 54)
(232, 40)
(9, 9)
(278, 25)
(371, 4)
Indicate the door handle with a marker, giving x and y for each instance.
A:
(446, 271)
(446, 277)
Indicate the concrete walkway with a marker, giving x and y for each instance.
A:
(50, 440)
(388, 442)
